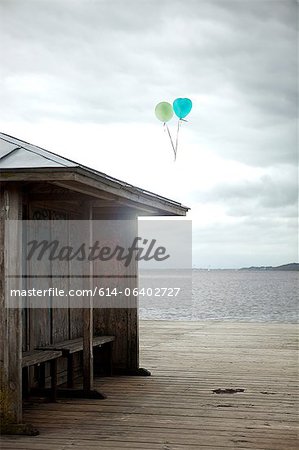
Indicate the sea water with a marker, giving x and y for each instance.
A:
(237, 295)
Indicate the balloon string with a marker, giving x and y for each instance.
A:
(177, 137)
(173, 148)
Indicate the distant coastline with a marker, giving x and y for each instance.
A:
(290, 266)
(293, 267)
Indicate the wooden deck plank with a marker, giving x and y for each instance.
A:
(176, 408)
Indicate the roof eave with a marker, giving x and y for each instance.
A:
(84, 176)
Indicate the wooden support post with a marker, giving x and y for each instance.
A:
(88, 317)
(109, 359)
(25, 382)
(133, 325)
(70, 370)
(41, 375)
(10, 317)
(53, 370)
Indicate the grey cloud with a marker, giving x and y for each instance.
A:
(267, 191)
(108, 62)
(103, 61)
(246, 138)
(148, 49)
(250, 241)
(266, 198)
(258, 229)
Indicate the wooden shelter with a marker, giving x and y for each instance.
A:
(38, 184)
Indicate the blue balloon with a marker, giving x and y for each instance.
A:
(182, 107)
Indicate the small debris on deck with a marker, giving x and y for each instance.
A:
(227, 391)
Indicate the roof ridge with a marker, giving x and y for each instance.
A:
(38, 147)
(9, 153)
(46, 157)
(13, 137)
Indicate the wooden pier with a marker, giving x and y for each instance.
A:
(176, 408)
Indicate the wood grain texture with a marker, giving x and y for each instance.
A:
(76, 345)
(79, 180)
(176, 408)
(11, 317)
(38, 357)
(121, 319)
(87, 315)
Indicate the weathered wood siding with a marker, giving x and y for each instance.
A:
(10, 318)
(121, 322)
(51, 324)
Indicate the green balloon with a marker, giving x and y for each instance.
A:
(164, 111)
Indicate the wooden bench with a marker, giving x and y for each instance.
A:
(72, 346)
(40, 358)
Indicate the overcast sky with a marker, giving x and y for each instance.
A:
(82, 78)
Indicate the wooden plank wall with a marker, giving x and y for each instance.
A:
(52, 324)
(121, 322)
